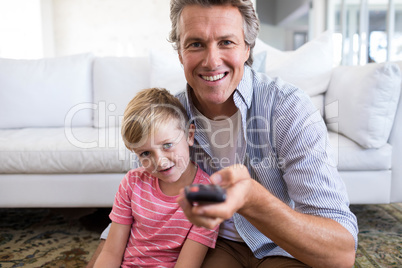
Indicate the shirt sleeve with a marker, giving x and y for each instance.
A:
(204, 236)
(308, 164)
(121, 211)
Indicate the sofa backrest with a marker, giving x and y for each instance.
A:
(115, 82)
(40, 93)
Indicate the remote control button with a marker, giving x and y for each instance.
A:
(194, 189)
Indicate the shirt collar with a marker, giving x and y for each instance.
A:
(245, 88)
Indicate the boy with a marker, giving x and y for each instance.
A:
(148, 226)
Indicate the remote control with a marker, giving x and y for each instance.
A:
(205, 193)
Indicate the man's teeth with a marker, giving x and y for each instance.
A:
(213, 78)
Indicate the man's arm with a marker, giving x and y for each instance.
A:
(316, 241)
(112, 253)
(191, 255)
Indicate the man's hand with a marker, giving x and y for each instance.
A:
(314, 240)
(238, 184)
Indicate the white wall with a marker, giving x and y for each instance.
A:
(110, 27)
(20, 29)
(273, 36)
(103, 27)
(280, 19)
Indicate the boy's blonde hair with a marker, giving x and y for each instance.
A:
(149, 109)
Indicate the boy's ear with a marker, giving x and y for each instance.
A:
(190, 138)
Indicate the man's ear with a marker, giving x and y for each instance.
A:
(247, 52)
(191, 132)
(180, 58)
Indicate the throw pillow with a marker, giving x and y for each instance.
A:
(309, 67)
(45, 92)
(361, 102)
(259, 61)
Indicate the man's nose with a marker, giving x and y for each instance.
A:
(212, 58)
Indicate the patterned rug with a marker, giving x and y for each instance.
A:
(68, 237)
(49, 237)
(380, 235)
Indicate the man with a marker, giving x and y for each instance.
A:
(286, 204)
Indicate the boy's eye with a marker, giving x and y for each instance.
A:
(167, 146)
(144, 154)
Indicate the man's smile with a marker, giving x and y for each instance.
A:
(213, 78)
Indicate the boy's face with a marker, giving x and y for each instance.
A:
(165, 153)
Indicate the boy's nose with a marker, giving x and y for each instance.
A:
(161, 159)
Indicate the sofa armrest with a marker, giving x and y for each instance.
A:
(395, 140)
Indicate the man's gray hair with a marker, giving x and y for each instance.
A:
(251, 24)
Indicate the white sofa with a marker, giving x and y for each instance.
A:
(60, 142)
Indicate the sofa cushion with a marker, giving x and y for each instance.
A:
(259, 61)
(309, 67)
(361, 102)
(350, 156)
(40, 93)
(318, 101)
(60, 150)
(116, 81)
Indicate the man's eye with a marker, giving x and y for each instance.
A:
(195, 45)
(227, 42)
(145, 154)
(167, 146)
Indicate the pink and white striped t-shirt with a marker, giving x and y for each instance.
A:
(159, 226)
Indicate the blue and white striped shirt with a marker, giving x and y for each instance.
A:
(287, 151)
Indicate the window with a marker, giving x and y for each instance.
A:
(396, 45)
(366, 30)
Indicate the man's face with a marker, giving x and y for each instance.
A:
(213, 53)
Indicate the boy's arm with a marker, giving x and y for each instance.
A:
(116, 242)
(191, 255)
(95, 256)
